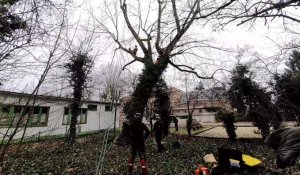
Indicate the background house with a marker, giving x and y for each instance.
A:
(204, 103)
(50, 115)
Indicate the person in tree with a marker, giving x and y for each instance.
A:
(138, 134)
(158, 133)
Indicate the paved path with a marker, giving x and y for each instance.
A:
(244, 130)
(220, 132)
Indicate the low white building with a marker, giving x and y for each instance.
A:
(48, 115)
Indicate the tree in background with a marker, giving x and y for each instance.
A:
(249, 99)
(27, 34)
(239, 88)
(9, 22)
(78, 70)
(191, 100)
(287, 88)
(150, 112)
(228, 119)
(113, 86)
(162, 103)
(25, 27)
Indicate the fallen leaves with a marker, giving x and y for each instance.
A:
(83, 158)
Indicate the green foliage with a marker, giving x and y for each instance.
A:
(249, 98)
(78, 70)
(53, 157)
(262, 123)
(287, 87)
(241, 88)
(242, 118)
(126, 106)
(228, 119)
(143, 91)
(162, 103)
(9, 22)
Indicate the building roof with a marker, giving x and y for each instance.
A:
(48, 97)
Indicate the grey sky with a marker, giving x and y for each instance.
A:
(261, 41)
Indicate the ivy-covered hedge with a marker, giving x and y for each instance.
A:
(228, 119)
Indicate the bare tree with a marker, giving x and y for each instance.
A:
(251, 11)
(26, 26)
(191, 99)
(34, 14)
(113, 86)
(160, 40)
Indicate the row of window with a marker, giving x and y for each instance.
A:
(81, 118)
(31, 116)
(38, 115)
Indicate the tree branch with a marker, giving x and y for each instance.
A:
(189, 71)
(140, 59)
(186, 25)
(269, 16)
(176, 16)
(158, 26)
(117, 41)
(218, 9)
(133, 32)
(278, 6)
(266, 12)
(128, 64)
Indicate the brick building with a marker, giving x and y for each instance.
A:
(204, 104)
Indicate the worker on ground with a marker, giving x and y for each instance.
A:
(158, 133)
(138, 134)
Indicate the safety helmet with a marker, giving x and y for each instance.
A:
(137, 115)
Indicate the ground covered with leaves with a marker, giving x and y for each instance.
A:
(54, 157)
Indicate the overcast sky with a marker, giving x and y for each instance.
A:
(261, 41)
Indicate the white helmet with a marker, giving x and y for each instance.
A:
(137, 115)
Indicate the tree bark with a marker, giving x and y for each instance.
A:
(147, 80)
(75, 112)
(115, 117)
(151, 124)
(189, 125)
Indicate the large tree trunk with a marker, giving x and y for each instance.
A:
(189, 125)
(151, 124)
(75, 112)
(147, 80)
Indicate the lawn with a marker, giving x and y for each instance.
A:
(183, 131)
(53, 157)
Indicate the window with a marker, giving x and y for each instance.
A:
(10, 115)
(67, 116)
(5, 119)
(39, 116)
(183, 117)
(81, 118)
(108, 108)
(92, 107)
(44, 115)
(211, 109)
